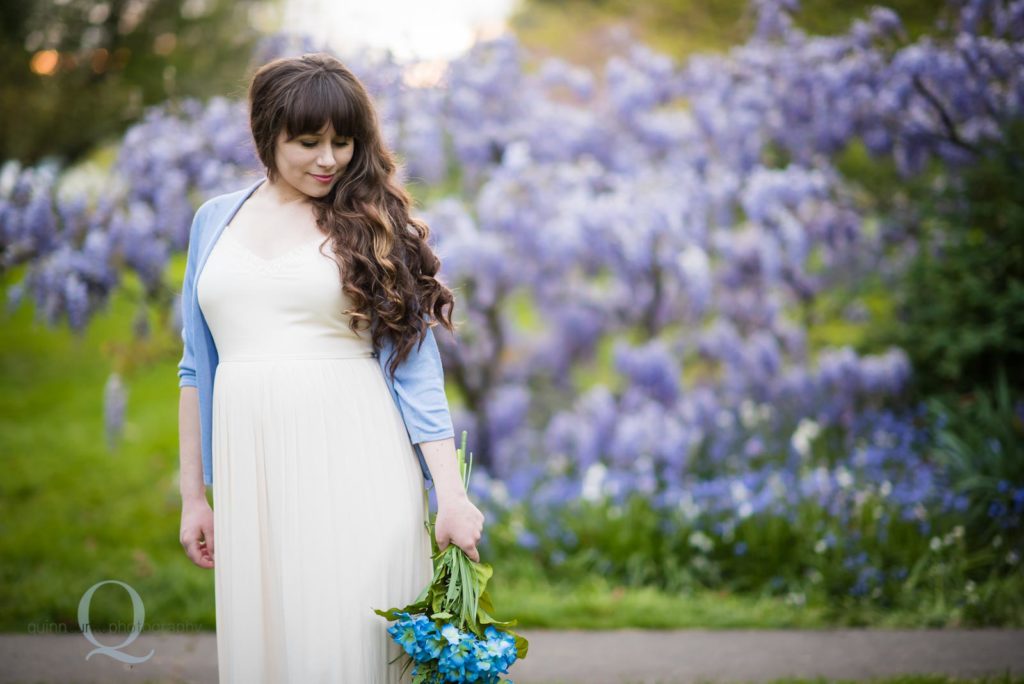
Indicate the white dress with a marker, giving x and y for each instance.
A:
(318, 494)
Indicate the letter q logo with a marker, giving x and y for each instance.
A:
(139, 617)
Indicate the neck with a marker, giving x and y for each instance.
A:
(281, 193)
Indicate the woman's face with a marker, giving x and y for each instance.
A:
(312, 163)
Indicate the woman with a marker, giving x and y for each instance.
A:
(327, 374)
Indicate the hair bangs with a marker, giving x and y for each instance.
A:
(319, 100)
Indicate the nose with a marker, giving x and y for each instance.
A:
(326, 156)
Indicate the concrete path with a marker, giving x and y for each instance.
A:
(564, 657)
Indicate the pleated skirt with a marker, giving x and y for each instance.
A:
(318, 519)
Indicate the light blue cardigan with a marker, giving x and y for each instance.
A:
(418, 387)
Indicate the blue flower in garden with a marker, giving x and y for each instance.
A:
(651, 367)
(418, 636)
(528, 539)
(455, 654)
(481, 657)
(431, 643)
(500, 646)
(1018, 499)
(405, 634)
(451, 634)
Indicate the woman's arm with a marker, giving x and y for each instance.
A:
(196, 535)
(190, 447)
(190, 438)
(419, 384)
(458, 521)
(444, 470)
(187, 365)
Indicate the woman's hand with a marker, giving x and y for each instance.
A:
(459, 522)
(197, 531)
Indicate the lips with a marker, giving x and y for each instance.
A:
(322, 179)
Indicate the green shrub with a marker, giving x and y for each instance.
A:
(961, 302)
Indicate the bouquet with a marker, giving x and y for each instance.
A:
(448, 633)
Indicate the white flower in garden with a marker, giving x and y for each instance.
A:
(695, 267)
(688, 507)
(498, 491)
(592, 481)
(884, 439)
(701, 541)
(748, 414)
(558, 464)
(806, 431)
(843, 477)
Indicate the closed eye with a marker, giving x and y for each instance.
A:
(312, 144)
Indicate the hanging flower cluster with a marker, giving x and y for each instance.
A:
(448, 633)
(449, 654)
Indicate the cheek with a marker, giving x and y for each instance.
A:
(287, 157)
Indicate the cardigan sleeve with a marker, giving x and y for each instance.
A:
(187, 365)
(419, 385)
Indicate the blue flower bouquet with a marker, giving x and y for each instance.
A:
(448, 633)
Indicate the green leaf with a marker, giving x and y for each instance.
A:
(522, 645)
(483, 573)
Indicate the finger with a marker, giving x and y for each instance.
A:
(206, 561)
(208, 536)
(206, 554)
(472, 553)
(195, 552)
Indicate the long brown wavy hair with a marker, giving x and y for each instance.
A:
(387, 267)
